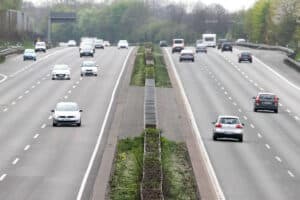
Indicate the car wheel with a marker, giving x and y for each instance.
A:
(79, 124)
(240, 61)
(215, 137)
(255, 110)
(81, 74)
(54, 124)
(276, 111)
(241, 138)
(80, 55)
(193, 60)
(96, 74)
(250, 61)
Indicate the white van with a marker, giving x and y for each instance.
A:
(178, 45)
(210, 40)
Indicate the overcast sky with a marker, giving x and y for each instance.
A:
(230, 5)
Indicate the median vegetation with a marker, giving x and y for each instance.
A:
(163, 162)
(150, 63)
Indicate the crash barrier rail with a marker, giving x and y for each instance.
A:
(292, 63)
(11, 50)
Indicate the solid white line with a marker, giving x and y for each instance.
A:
(277, 74)
(3, 177)
(259, 135)
(15, 161)
(268, 146)
(291, 174)
(208, 165)
(3, 79)
(93, 157)
(27, 147)
(36, 136)
(278, 159)
(43, 126)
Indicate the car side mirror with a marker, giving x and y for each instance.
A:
(80, 110)
(52, 110)
(243, 124)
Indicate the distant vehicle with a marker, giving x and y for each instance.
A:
(40, 46)
(228, 127)
(200, 41)
(87, 41)
(266, 101)
(123, 44)
(209, 40)
(240, 40)
(245, 56)
(201, 48)
(178, 45)
(99, 44)
(106, 43)
(66, 113)
(89, 67)
(226, 47)
(61, 72)
(163, 43)
(220, 42)
(186, 55)
(86, 50)
(29, 54)
(72, 43)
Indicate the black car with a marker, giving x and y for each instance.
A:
(220, 42)
(226, 47)
(245, 56)
(266, 101)
(163, 43)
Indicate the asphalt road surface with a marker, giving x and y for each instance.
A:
(266, 164)
(38, 161)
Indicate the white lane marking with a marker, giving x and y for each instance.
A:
(27, 147)
(13, 103)
(267, 146)
(48, 75)
(291, 174)
(280, 105)
(93, 157)
(3, 176)
(74, 86)
(222, 88)
(225, 93)
(259, 135)
(33, 86)
(287, 110)
(252, 126)
(27, 91)
(20, 97)
(15, 161)
(208, 165)
(297, 118)
(50, 117)
(36, 136)
(246, 77)
(240, 110)
(229, 98)
(65, 97)
(69, 91)
(3, 79)
(278, 159)
(245, 117)
(77, 82)
(5, 109)
(262, 89)
(38, 82)
(43, 126)
(234, 103)
(251, 81)
(81, 78)
(256, 84)
(277, 74)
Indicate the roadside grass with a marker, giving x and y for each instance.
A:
(128, 167)
(179, 182)
(28, 44)
(2, 59)
(162, 78)
(138, 74)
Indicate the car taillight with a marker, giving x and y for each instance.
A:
(257, 101)
(276, 100)
(239, 126)
(218, 125)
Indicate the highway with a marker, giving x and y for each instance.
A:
(266, 164)
(38, 161)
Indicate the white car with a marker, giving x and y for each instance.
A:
(228, 127)
(86, 50)
(72, 43)
(99, 44)
(66, 113)
(187, 54)
(40, 46)
(89, 67)
(123, 44)
(178, 45)
(240, 40)
(106, 43)
(29, 54)
(61, 72)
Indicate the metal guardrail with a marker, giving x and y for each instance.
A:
(149, 104)
(266, 47)
(292, 63)
(11, 50)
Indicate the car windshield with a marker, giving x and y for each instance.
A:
(29, 51)
(229, 120)
(40, 44)
(209, 39)
(178, 41)
(266, 97)
(88, 64)
(61, 67)
(67, 107)
(245, 54)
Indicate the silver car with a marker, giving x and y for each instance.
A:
(66, 113)
(228, 127)
(89, 67)
(61, 72)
